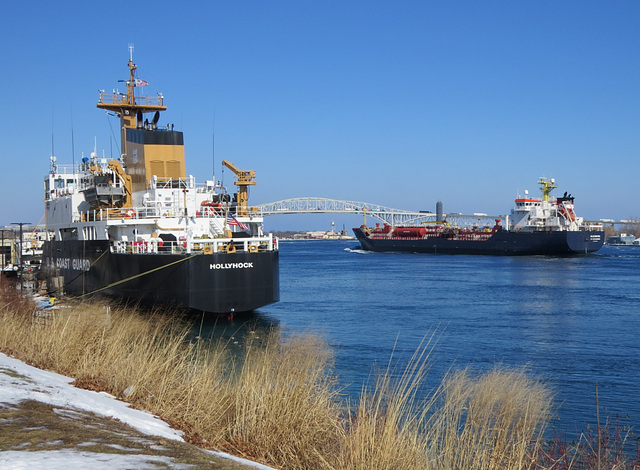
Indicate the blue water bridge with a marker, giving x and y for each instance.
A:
(387, 215)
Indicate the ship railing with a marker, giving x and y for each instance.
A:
(152, 212)
(199, 246)
(88, 182)
(121, 98)
(66, 170)
(130, 213)
(209, 213)
(476, 236)
(172, 183)
(60, 192)
(233, 245)
(591, 226)
(209, 187)
(127, 213)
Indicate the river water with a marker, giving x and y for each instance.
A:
(573, 321)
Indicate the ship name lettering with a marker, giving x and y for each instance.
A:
(81, 264)
(77, 264)
(231, 266)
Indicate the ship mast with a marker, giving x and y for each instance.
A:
(127, 108)
(131, 99)
(546, 186)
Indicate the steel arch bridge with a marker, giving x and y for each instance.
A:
(388, 215)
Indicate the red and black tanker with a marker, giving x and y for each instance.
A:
(535, 227)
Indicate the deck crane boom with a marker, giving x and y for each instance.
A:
(244, 179)
(114, 165)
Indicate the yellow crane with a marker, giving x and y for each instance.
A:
(244, 179)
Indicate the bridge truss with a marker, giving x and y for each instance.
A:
(387, 215)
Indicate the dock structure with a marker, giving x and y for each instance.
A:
(6, 246)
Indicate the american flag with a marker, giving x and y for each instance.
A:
(140, 82)
(231, 220)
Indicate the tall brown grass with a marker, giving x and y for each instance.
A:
(469, 422)
(279, 402)
(492, 421)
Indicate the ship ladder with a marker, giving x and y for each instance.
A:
(215, 228)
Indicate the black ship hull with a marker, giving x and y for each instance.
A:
(217, 283)
(502, 242)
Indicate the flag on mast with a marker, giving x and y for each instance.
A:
(140, 82)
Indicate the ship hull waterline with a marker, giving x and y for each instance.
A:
(215, 283)
(503, 242)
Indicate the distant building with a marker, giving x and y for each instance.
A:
(622, 239)
(322, 235)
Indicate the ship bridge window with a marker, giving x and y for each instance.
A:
(59, 183)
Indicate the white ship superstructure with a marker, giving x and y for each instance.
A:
(178, 215)
(534, 214)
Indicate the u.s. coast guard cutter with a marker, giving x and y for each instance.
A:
(138, 227)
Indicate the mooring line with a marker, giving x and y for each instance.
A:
(121, 281)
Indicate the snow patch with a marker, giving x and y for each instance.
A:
(20, 382)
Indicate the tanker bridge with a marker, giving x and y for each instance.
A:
(387, 215)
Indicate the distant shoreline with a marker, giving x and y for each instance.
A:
(317, 239)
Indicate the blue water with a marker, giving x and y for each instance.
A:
(574, 321)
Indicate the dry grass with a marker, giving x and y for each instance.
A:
(484, 422)
(248, 406)
(285, 402)
(491, 422)
(386, 430)
(278, 403)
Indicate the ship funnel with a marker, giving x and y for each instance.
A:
(156, 117)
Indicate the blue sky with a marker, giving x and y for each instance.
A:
(394, 103)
